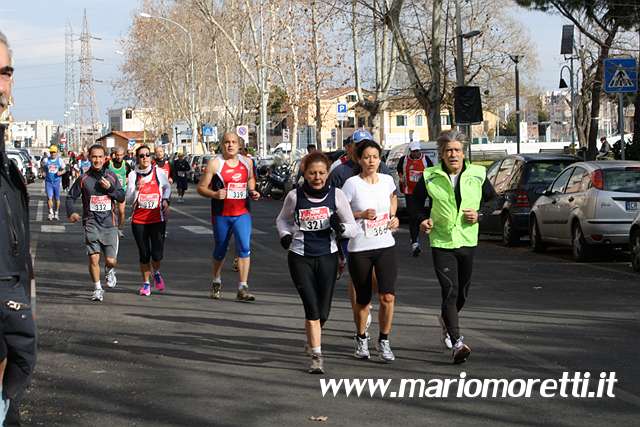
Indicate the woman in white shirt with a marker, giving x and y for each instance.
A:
(373, 201)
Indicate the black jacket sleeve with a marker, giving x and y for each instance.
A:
(72, 196)
(418, 211)
(400, 166)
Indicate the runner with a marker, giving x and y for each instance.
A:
(181, 168)
(410, 170)
(311, 218)
(455, 189)
(148, 192)
(162, 162)
(229, 182)
(84, 164)
(54, 168)
(373, 199)
(99, 190)
(121, 169)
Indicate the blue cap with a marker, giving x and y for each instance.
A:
(361, 135)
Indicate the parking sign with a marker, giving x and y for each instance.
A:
(342, 111)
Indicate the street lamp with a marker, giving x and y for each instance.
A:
(460, 59)
(194, 122)
(516, 59)
(563, 85)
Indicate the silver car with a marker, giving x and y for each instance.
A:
(634, 244)
(588, 205)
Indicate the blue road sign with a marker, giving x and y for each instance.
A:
(207, 130)
(620, 75)
(131, 144)
(342, 108)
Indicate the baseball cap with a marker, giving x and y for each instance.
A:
(53, 149)
(361, 135)
(414, 146)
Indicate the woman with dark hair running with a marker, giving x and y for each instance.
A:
(312, 217)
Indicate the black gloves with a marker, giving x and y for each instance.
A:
(285, 241)
(334, 221)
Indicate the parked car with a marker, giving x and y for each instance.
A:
(396, 153)
(518, 180)
(590, 205)
(634, 243)
(200, 167)
(26, 165)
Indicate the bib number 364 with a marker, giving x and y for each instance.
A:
(376, 227)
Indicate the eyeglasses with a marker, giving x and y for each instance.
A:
(142, 156)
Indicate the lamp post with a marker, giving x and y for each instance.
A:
(194, 122)
(516, 59)
(460, 36)
(563, 85)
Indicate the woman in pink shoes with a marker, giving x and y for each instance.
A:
(148, 191)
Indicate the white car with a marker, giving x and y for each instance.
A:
(19, 161)
(634, 244)
(396, 153)
(589, 205)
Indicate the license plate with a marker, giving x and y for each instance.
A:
(632, 206)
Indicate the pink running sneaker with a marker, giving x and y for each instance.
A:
(145, 290)
(158, 281)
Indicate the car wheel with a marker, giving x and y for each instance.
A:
(537, 245)
(635, 251)
(509, 236)
(581, 249)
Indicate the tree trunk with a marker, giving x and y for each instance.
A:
(293, 132)
(434, 122)
(596, 91)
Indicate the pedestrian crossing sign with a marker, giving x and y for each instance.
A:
(620, 75)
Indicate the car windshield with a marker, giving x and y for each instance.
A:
(545, 172)
(622, 180)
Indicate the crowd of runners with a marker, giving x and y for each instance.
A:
(340, 216)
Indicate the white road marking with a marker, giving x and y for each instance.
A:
(40, 211)
(197, 229)
(202, 221)
(52, 228)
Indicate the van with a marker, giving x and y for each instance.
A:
(430, 149)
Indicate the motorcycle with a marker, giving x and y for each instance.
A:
(278, 180)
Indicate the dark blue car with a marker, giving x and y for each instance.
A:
(518, 180)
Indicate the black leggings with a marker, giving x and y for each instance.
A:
(150, 240)
(453, 268)
(361, 267)
(314, 278)
(414, 225)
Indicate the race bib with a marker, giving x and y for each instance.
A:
(100, 203)
(237, 190)
(377, 227)
(414, 176)
(53, 168)
(182, 174)
(314, 219)
(148, 201)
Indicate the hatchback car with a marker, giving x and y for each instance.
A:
(634, 243)
(518, 180)
(589, 205)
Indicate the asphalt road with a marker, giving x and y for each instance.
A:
(181, 359)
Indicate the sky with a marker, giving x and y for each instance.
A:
(36, 30)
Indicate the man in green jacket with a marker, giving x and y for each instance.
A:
(455, 189)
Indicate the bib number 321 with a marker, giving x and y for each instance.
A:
(314, 219)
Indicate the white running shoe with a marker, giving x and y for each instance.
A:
(384, 347)
(445, 338)
(50, 216)
(362, 348)
(97, 295)
(56, 216)
(111, 278)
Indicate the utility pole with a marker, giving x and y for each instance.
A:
(516, 59)
(88, 104)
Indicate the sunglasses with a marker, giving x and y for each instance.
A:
(6, 71)
(142, 156)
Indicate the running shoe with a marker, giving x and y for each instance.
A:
(56, 216)
(415, 249)
(445, 338)
(145, 290)
(362, 348)
(384, 348)
(244, 295)
(316, 366)
(461, 351)
(50, 216)
(158, 281)
(216, 290)
(98, 295)
(235, 264)
(111, 278)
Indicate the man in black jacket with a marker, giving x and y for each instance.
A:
(17, 328)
